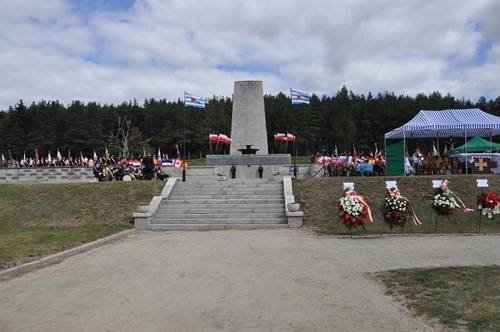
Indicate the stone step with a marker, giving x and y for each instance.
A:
(180, 196)
(213, 216)
(210, 227)
(222, 207)
(276, 208)
(218, 185)
(241, 220)
(210, 205)
(226, 191)
(169, 201)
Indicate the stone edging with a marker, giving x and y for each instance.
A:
(378, 236)
(57, 257)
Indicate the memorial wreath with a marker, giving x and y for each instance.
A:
(397, 208)
(445, 200)
(353, 209)
(488, 204)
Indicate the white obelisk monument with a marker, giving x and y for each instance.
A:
(248, 126)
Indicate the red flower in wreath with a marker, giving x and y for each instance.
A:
(353, 209)
(489, 204)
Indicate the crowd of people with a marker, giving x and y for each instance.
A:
(105, 169)
(149, 167)
(345, 165)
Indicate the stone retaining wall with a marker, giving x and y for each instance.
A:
(242, 171)
(47, 174)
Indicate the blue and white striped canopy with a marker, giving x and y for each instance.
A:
(445, 123)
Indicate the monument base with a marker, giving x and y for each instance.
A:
(249, 159)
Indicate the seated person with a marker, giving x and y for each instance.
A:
(358, 170)
(367, 169)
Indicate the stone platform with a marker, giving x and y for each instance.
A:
(253, 159)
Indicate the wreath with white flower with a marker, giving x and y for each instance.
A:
(489, 204)
(397, 208)
(445, 200)
(353, 209)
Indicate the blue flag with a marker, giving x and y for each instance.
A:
(299, 97)
(190, 100)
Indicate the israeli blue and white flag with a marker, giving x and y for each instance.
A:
(190, 100)
(299, 97)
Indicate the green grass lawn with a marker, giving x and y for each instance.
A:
(457, 297)
(40, 219)
(319, 196)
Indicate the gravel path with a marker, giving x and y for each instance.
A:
(261, 280)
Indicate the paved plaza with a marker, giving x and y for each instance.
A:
(258, 280)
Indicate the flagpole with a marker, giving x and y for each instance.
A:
(184, 143)
(294, 133)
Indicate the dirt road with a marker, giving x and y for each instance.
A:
(261, 280)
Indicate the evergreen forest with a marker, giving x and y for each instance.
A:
(340, 120)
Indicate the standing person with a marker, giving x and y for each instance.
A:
(148, 164)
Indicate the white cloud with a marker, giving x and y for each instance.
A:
(159, 48)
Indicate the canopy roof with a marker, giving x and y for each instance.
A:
(445, 123)
(477, 144)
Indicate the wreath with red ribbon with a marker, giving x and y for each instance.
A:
(397, 208)
(354, 210)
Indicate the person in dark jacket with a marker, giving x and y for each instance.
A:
(148, 166)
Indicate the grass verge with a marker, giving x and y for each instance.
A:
(456, 297)
(319, 196)
(41, 219)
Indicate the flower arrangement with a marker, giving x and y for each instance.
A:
(353, 209)
(397, 209)
(489, 204)
(445, 200)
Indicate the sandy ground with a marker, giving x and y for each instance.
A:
(261, 280)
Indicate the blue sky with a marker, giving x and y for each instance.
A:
(84, 7)
(115, 51)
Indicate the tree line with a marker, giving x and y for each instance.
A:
(328, 121)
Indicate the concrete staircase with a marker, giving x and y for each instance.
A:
(209, 204)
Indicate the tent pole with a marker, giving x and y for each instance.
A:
(404, 152)
(385, 151)
(466, 161)
(437, 143)
(491, 153)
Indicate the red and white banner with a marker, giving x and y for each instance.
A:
(224, 139)
(178, 163)
(279, 137)
(213, 137)
(324, 160)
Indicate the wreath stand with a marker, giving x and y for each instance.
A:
(437, 184)
(435, 215)
(402, 226)
(350, 229)
(481, 184)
